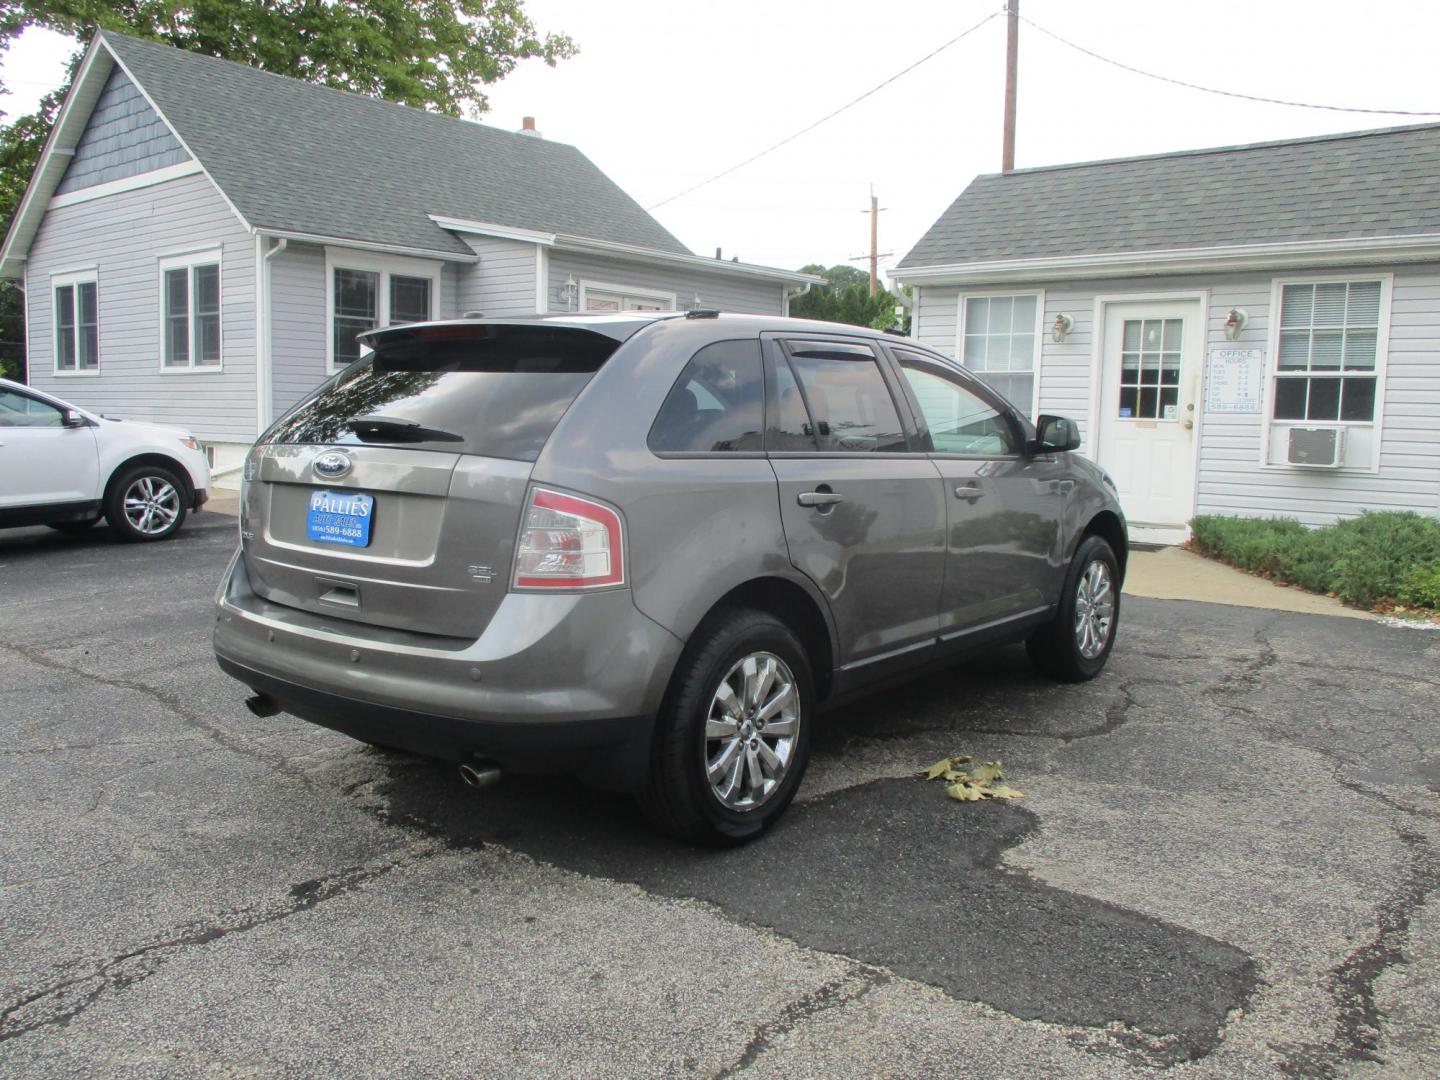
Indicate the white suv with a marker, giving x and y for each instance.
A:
(67, 468)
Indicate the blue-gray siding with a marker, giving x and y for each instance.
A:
(125, 137)
(715, 290)
(122, 237)
(1231, 479)
(297, 323)
(502, 282)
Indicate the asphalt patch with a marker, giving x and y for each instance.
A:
(891, 873)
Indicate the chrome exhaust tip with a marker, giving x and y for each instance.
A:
(480, 774)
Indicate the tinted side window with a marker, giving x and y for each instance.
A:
(790, 426)
(717, 404)
(960, 421)
(20, 410)
(849, 403)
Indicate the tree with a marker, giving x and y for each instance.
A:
(439, 55)
(845, 298)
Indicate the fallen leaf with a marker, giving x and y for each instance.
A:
(964, 792)
(1001, 791)
(987, 773)
(939, 769)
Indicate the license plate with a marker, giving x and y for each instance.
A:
(340, 517)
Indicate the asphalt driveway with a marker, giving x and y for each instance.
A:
(1226, 865)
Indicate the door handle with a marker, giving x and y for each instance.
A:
(971, 492)
(819, 498)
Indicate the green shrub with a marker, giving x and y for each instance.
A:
(1376, 557)
(1421, 587)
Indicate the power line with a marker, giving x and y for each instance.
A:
(828, 116)
(1213, 90)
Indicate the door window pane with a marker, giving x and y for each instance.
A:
(356, 311)
(960, 421)
(409, 300)
(790, 428)
(848, 400)
(65, 328)
(21, 410)
(1150, 369)
(717, 404)
(177, 317)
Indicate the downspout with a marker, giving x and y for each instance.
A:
(789, 292)
(264, 389)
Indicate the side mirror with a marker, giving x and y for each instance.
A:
(1055, 435)
(71, 418)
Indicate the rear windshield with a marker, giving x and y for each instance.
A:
(497, 391)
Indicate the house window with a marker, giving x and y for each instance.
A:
(365, 295)
(1325, 366)
(190, 311)
(76, 323)
(616, 298)
(999, 340)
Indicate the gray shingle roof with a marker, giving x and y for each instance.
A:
(309, 159)
(1361, 184)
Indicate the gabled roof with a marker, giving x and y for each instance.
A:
(1363, 185)
(310, 159)
(307, 161)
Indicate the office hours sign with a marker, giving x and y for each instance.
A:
(1235, 381)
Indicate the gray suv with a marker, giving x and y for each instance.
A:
(647, 548)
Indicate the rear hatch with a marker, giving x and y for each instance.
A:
(392, 496)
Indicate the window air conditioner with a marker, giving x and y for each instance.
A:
(1317, 447)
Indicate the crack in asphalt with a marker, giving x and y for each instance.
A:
(60, 1002)
(835, 994)
(170, 701)
(1351, 985)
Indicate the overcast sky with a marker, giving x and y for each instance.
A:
(665, 94)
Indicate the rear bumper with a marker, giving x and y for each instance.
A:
(556, 683)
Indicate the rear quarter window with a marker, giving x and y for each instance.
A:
(495, 391)
(717, 405)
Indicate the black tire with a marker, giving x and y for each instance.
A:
(74, 528)
(160, 477)
(678, 796)
(1056, 648)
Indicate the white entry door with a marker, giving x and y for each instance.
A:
(1149, 405)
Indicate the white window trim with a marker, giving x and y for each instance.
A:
(188, 260)
(623, 291)
(385, 265)
(59, 280)
(1036, 361)
(1272, 368)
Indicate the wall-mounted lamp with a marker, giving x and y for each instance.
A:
(1060, 327)
(570, 290)
(1235, 322)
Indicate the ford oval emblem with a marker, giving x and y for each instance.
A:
(331, 464)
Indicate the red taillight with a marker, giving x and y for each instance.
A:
(567, 543)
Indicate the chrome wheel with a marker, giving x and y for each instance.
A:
(1094, 610)
(151, 505)
(751, 730)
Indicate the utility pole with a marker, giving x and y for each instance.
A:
(874, 242)
(1012, 50)
(875, 253)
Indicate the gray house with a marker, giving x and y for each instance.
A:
(1249, 330)
(202, 241)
